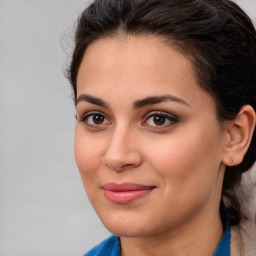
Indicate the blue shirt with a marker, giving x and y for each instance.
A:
(111, 246)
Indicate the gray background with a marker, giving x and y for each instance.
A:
(43, 207)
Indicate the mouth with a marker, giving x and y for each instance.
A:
(125, 193)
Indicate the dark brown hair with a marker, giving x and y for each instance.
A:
(218, 36)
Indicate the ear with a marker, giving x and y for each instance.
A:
(239, 135)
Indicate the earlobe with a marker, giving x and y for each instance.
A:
(239, 135)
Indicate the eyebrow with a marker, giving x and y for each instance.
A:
(158, 99)
(93, 100)
(151, 100)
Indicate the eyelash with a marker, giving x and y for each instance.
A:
(165, 116)
(92, 114)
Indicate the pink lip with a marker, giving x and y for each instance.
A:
(126, 192)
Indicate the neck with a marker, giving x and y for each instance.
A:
(199, 237)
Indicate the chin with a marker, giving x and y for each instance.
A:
(127, 231)
(124, 227)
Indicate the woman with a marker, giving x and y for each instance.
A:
(165, 93)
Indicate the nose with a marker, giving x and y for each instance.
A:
(122, 152)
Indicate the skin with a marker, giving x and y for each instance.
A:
(183, 156)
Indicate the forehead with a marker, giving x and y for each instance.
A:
(137, 64)
(148, 50)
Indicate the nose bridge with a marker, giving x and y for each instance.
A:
(118, 141)
(121, 153)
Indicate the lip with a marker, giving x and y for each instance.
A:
(126, 192)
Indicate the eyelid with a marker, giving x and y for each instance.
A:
(88, 114)
(172, 118)
(160, 113)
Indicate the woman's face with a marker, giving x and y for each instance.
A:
(148, 145)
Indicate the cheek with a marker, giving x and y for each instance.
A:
(88, 156)
(188, 162)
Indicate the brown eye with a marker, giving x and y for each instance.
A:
(159, 120)
(98, 119)
(94, 119)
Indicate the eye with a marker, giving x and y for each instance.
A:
(94, 119)
(159, 120)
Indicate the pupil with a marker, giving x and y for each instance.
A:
(98, 119)
(159, 120)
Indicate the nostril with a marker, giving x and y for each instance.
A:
(126, 166)
(119, 159)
